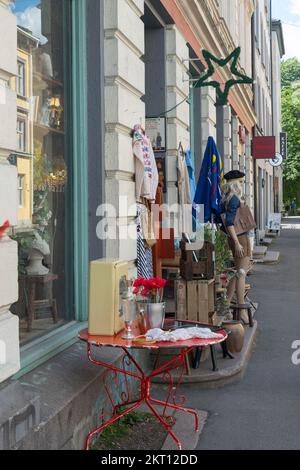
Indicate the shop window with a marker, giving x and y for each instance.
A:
(21, 79)
(45, 251)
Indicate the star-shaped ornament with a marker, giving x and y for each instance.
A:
(210, 59)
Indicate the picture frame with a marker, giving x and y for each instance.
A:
(156, 131)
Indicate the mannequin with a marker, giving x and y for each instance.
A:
(240, 245)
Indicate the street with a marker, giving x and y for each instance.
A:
(262, 411)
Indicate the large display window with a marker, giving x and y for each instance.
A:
(44, 167)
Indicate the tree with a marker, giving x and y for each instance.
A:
(291, 125)
(290, 71)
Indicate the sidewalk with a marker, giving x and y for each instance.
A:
(263, 410)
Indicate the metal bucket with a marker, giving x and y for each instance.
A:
(156, 314)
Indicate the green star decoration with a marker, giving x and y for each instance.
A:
(209, 58)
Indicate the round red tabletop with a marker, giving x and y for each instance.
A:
(119, 342)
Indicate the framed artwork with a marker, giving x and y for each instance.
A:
(156, 131)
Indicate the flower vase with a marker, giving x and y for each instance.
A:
(156, 314)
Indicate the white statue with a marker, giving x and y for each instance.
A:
(39, 249)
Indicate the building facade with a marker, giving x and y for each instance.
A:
(278, 49)
(69, 103)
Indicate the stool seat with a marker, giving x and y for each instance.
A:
(237, 309)
(240, 306)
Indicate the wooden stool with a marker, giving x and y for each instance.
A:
(32, 282)
(237, 312)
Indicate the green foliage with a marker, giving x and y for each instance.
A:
(223, 253)
(291, 125)
(290, 71)
(119, 429)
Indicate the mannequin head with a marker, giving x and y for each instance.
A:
(233, 186)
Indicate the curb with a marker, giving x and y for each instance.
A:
(184, 430)
(230, 370)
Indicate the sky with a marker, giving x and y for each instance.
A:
(288, 11)
(29, 15)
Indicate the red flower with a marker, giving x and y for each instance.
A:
(138, 283)
(3, 228)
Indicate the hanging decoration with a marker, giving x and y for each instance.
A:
(211, 60)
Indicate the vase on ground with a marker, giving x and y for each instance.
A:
(236, 335)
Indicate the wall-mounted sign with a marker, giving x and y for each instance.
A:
(156, 131)
(277, 160)
(283, 145)
(264, 148)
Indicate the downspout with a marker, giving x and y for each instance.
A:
(254, 127)
(272, 102)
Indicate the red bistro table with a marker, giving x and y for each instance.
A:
(128, 361)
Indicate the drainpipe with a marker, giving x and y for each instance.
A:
(272, 101)
(254, 128)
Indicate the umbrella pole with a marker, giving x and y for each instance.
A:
(213, 240)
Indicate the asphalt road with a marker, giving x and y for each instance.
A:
(263, 410)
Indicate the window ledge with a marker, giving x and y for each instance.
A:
(42, 349)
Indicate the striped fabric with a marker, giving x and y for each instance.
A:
(144, 255)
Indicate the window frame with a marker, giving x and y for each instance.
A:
(24, 134)
(23, 63)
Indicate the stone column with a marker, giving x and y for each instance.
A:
(249, 174)
(235, 143)
(124, 87)
(9, 323)
(177, 91)
(209, 116)
(227, 140)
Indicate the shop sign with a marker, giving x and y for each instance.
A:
(274, 221)
(156, 131)
(264, 148)
(283, 145)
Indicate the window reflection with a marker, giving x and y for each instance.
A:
(42, 166)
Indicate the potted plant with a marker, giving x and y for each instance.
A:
(149, 295)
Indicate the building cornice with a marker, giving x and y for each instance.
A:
(202, 27)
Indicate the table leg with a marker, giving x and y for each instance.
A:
(111, 421)
(145, 395)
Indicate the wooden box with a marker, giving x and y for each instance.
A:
(195, 300)
(190, 268)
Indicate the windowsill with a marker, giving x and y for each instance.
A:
(42, 349)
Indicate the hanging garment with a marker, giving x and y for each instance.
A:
(147, 225)
(146, 174)
(184, 195)
(191, 171)
(144, 254)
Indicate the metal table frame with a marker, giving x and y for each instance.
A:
(173, 400)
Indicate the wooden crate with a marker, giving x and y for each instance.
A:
(195, 300)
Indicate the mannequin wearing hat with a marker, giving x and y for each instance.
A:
(240, 245)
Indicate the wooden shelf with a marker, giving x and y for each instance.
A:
(46, 129)
(48, 80)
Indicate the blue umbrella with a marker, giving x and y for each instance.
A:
(208, 191)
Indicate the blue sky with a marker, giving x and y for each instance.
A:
(289, 12)
(21, 5)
